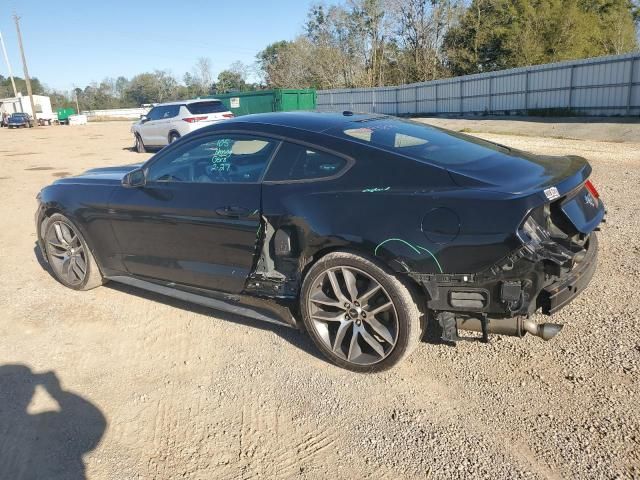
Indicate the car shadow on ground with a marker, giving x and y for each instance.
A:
(148, 149)
(50, 443)
(297, 338)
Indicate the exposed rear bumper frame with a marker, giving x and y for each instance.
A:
(555, 296)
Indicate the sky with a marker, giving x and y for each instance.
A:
(71, 43)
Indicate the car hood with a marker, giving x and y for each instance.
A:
(102, 174)
(519, 172)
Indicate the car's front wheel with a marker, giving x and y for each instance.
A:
(139, 144)
(70, 258)
(359, 314)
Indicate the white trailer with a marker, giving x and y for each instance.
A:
(21, 103)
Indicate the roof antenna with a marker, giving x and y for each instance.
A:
(347, 113)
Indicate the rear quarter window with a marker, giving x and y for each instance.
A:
(298, 162)
(422, 142)
(214, 106)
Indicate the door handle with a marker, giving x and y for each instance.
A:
(236, 212)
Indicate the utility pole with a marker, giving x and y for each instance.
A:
(16, 18)
(6, 59)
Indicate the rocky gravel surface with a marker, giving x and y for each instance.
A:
(187, 392)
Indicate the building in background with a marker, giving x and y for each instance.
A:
(21, 104)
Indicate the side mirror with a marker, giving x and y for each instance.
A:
(135, 179)
(144, 118)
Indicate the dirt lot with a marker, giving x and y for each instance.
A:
(168, 390)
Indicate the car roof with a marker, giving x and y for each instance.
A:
(187, 102)
(306, 120)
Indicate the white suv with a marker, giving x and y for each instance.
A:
(167, 122)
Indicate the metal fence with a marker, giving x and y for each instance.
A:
(595, 86)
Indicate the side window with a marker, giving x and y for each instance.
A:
(214, 159)
(170, 111)
(155, 113)
(297, 162)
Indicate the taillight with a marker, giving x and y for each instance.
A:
(194, 119)
(228, 115)
(592, 189)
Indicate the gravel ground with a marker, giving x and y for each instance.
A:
(163, 389)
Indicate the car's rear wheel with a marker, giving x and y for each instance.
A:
(139, 144)
(359, 314)
(70, 258)
(173, 136)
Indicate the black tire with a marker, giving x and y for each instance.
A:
(139, 144)
(92, 276)
(410, 319)
(173, 136)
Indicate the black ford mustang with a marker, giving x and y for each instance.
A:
(362, 226)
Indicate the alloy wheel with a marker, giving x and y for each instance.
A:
(353, 315)
(66, 253)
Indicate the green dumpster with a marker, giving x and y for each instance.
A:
(64, 114)
(261, 101)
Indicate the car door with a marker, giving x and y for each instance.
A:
(164, 123)
(196, 219)
(149, 129)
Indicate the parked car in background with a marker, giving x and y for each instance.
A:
(363, 226)
(167, 122)
(17, 120)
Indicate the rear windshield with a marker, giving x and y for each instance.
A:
(215, 106)
(420, 141)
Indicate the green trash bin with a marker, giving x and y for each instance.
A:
(64, 114)
(262, 101)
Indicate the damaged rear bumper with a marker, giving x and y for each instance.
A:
(516, 286)
(562, 291)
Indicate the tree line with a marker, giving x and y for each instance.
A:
(144, 88)
(370, 43)
(153, 87)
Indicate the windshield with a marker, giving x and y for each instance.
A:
(421, 142)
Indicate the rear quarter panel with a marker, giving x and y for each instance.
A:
(378, 208)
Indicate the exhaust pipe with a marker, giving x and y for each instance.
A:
(545, 331)
(515, 327)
